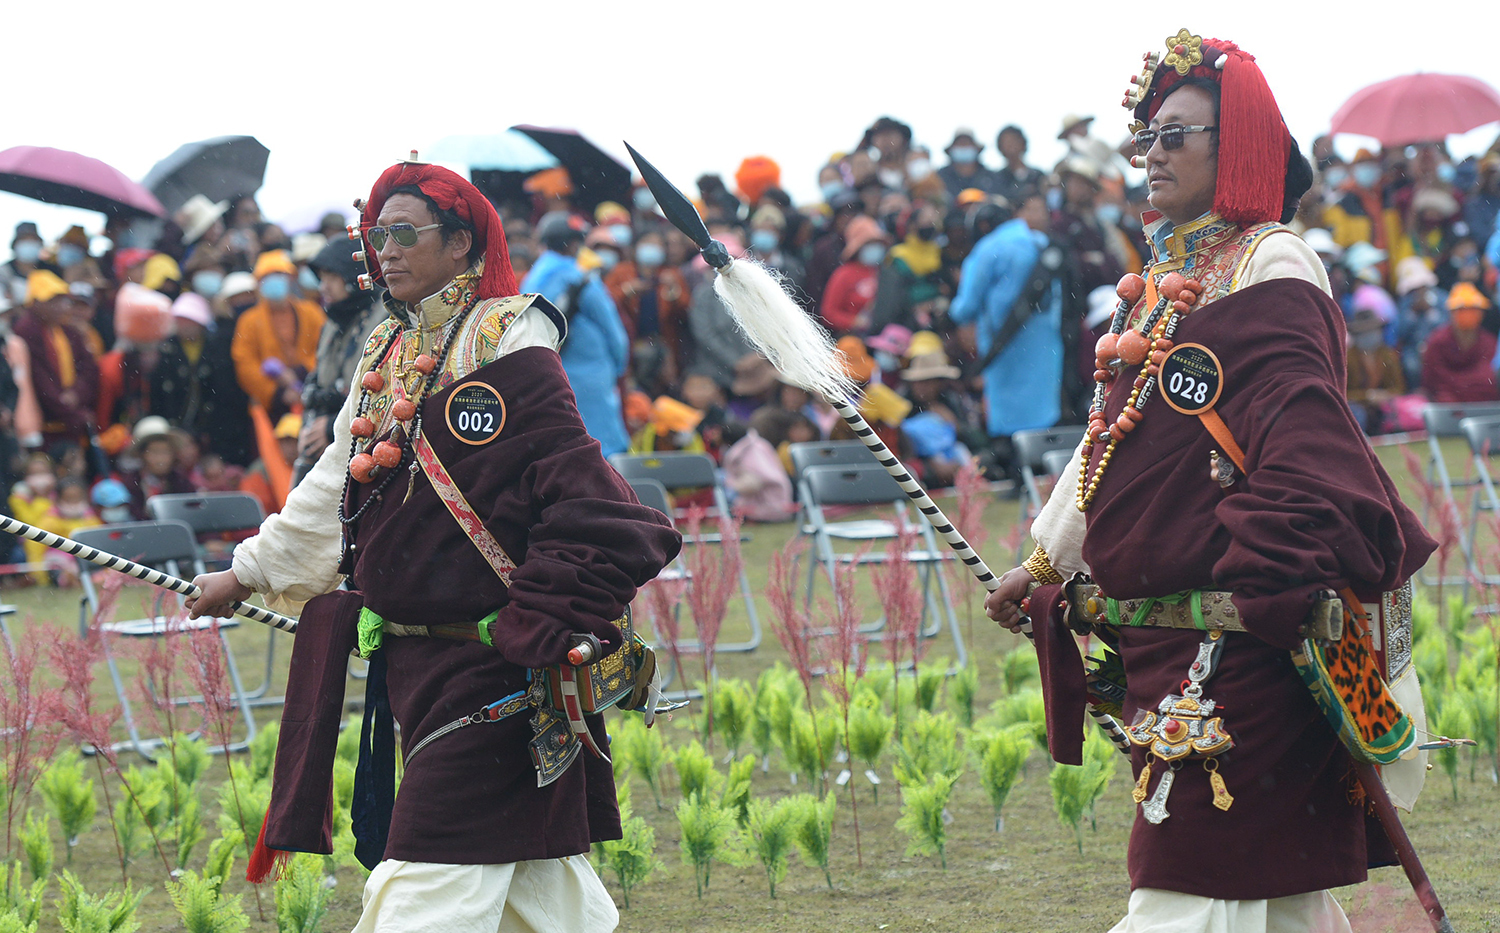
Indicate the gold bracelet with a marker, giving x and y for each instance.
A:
(1039, 565)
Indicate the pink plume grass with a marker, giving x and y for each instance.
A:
(713, 580)
(29, 731)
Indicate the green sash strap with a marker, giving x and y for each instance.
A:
(1194, 598)
(372, 631)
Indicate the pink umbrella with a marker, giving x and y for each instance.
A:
(1418, 108)
(58, 176)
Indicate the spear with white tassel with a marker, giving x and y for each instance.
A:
(139, 571)
(804, 353)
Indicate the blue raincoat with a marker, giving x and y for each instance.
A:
(597, 350)
(1023, 386)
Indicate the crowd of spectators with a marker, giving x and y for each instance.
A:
(966, 291)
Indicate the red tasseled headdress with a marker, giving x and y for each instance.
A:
(452, 193)
(1254, 143)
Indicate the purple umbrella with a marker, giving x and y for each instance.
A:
(58, 176)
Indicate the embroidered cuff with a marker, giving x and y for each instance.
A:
(1039, 565)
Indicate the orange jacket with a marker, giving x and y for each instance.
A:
(255, 342)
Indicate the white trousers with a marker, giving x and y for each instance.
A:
(1156, 911)
(544, 896)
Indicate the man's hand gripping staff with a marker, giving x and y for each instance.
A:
(803, 353)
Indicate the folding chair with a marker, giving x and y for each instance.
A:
(870, 485)
(1031, 447)
(654, 495)
(169, 546)
(1445, 421)
(1483, 435)
(682, 470)
(217, 513)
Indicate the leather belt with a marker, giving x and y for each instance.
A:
(1217, 612)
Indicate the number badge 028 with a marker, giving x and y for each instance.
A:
(1191, 378)
(475, 413)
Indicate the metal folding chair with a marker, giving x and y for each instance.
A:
(1444, 421)
(681, 470)
(869, 484)
(1483, 435)
(171, 547)
(1031, 449)
(654, 495)
(217, 513)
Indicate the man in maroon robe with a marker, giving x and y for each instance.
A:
(1313, 510)
(473, 839)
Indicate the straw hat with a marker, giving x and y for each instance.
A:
(930, 366)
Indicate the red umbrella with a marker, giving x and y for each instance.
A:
(1418, 108)
(58, 176)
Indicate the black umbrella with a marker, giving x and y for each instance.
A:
(596, 175)
(221, 168)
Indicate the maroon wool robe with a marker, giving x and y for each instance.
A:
(583, 545)
(1317, 511)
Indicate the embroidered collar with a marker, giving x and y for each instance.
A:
(1176, 244)
(437, 309)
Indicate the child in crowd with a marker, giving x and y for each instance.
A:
(756, 478)
(111, 501)
(69, 512)
(214, 475)
(155, 447)
(30, 501)
(707, 396)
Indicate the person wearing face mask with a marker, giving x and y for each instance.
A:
(964, 170)
(767, 234)
(193, 384)
(1364, 212)
(1420, 310)
(26, 249)
(850, 296)
(352, 314)
(888, 141)
(1459, 362)
(912, 287)
(278, 327)
(828, 247)
(653, 300)
(1015, 179)
(1375, 379)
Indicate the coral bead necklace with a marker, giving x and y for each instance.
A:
(1123, 347)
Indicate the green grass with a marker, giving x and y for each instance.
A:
(1030, 877)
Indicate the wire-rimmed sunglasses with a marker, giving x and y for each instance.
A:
(1172, 136)
(405, 235)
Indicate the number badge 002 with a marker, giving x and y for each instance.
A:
(475, 413)
(1191, 378)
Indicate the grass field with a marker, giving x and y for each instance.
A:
(1030, 877)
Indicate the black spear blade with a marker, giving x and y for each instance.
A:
(680, 211)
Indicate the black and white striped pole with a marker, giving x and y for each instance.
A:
(802, 352)
(139, 571)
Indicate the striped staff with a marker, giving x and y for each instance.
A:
(802, 352)
(139, 571)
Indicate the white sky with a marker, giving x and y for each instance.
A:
(339, 90)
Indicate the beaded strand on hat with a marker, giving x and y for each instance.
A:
(1119, 348)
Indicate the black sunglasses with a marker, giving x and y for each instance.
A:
(1172, 136)
(405, 235)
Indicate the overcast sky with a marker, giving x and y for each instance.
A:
(338, 91)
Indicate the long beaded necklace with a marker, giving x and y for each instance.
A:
(1121, 347)
(379, 464)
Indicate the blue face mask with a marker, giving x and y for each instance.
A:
(208, 282)
(1366, 174)
(1108, 214)
(830, 188)
(29, 250)
(1335, 176)
(650, 255)
(276, 287)
(69, 255)
(872, 253)
(764, 241)
(1446, 173)
(643, 199)
(608, 258)
(622, 233)
(308, 279)
(964, 155)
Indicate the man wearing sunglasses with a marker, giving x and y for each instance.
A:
(480, 533)
(1251, 838)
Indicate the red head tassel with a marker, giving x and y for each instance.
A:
(266, 863)
(1253, 143)
(452, 193)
